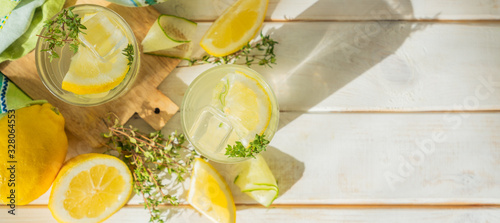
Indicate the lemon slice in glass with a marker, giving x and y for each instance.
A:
(245, 103)
(235, 27)
(99, 65)
(170, 36)
(209, 193)
(87, 75)
(90, 188)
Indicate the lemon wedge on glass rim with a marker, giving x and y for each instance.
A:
(210, 194)
(90, 188)
(235, 27)
(99, 65)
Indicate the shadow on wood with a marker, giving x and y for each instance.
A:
(331, 55)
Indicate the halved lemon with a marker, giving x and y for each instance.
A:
(256, 180)
(90, 188)
(235, 27)
(209, 193)
(99, 65)
(245, 103)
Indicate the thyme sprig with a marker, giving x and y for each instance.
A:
(260, 52)
(149, 156)
(129, 53)
(61, 30)
(258, 145)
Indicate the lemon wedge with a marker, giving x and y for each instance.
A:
(209, 193)
(235, 27)
(90, 188)
(99, 65)
(245, 103)
(256, 180)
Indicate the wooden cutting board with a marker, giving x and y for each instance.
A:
(86, 123)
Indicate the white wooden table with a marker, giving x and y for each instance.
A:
(390, 112)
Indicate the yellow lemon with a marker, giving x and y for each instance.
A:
(90, 188)
(34, 148)
(209, 193)
(235, 27)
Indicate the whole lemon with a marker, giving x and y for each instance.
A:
(34, 147)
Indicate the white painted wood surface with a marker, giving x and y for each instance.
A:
(346, 9)
(375, 66)
(251, 214)
(371, 113)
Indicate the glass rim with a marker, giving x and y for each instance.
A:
(254, 74)
(123, 86)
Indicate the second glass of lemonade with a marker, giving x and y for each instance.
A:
(228, 104)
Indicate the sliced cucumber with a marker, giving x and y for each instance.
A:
(256, 180)
(182, 51)
(168, 32)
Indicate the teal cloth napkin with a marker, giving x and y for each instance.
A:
(23, 23)
(6, 10)
(11, 97)
(136, 3)
(18, 21)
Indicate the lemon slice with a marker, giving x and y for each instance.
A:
(90, 188)
(235, 27)
(87, 75)
(209, 193)
(256, 180)
(99, 65)
(245, 103)
(170, 36)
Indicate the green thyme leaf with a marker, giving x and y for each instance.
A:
(148, 158)
(64, 29)
(261, 52)
(258, 145)
(129, 53)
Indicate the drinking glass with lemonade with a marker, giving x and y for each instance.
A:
(228, 104)
(99, 71)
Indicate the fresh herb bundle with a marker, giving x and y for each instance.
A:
(258, 145)
(260, 52)
(148, 156)
(62, 30)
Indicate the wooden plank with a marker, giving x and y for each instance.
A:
(356, 158)
(375, 66)
(252, 214)
(345, 10)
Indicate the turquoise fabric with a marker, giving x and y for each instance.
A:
(7, 7)
(27, 41)
(11, 97)
(136, 3)
(18, 22)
